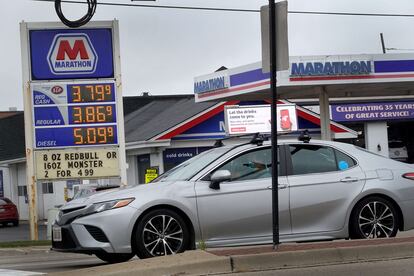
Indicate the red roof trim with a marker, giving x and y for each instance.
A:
(197, 120)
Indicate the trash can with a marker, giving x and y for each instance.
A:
(51, 215)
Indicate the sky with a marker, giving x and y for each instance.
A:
(162, 50)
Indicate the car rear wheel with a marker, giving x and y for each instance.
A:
(113, 258)
(16, 223)
(161, 232)
(374, 217)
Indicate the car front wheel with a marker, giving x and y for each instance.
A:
(161, 232)
(374, 217)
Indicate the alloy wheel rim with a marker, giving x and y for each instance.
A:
(162, 235)
(376, 220)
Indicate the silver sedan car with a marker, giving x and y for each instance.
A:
(222, 197)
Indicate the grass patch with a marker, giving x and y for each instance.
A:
(13, 244)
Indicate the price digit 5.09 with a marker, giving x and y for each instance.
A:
(94, 135)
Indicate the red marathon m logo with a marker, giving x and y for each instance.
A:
(72, 53)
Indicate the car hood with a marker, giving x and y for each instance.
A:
(118, 193)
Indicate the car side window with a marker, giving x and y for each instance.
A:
(312, 159)
(344, 161)
(250, 165)
(318, 159)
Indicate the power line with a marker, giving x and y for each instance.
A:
(232, 10)
(156, 6)
(352, 14)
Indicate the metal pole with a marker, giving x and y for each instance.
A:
(30, 176)
(275, 191)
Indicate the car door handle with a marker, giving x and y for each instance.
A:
(280, 186)
(349, 179)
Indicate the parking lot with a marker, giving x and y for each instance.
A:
(21, 232)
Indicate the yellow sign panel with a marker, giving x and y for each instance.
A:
(151, 174)
(77, 163)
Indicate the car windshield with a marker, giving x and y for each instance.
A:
(189, 168)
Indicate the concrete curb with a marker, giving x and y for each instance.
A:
(191, 262)
(290, 259)
(202, 263)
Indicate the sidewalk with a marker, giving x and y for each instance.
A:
(257, 258)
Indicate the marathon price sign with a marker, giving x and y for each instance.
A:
(77, 114)
(241, 120)
(73, 100)
(372, 111)
(76, 163)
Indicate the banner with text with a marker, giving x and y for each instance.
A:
(372, 111)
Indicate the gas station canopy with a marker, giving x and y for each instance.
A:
(309, 76)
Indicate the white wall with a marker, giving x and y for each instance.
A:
(22, 203)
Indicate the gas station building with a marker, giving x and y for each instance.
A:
(367, 100)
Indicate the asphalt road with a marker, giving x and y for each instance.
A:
(41, 259)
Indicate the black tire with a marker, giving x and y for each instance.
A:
(16, 223)
(114, 258)
(152, 242)
(374, 217)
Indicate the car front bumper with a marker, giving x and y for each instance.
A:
(109, 231)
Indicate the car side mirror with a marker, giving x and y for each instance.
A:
(217, 177)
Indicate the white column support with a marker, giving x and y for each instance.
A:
(325, 115)
(376, 137)
(156, 159)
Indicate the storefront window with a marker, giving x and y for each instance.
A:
(175, 156)
(143, 164)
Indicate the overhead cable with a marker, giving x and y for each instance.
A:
(233, 10)
(80, 22)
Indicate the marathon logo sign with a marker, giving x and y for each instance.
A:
(212, 84)
(336, 68)
(72, 53)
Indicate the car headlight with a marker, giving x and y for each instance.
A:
(109, 205)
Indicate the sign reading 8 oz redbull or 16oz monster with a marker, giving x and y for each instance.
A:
(74, 114)
(77, 163)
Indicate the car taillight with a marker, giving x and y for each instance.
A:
(409, 175)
